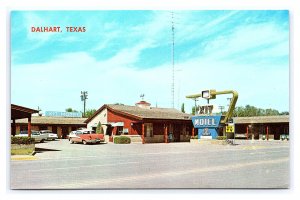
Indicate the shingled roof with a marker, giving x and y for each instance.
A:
(262, 119)
(53, 120)
(144, 113)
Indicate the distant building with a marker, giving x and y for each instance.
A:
(255, 127)
(20, 112)
(60, 125)
(143, 122)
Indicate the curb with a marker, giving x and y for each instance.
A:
(24, 157)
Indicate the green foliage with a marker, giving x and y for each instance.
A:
(99, 128)
(182, 108)
(22, 140)
(250, 111)
(89, 112)
(122, 140)
(22, 151)
(193, 110)
(221, 138)
(70, 110)
(194, 137)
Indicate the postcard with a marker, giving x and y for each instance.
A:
(149, 99)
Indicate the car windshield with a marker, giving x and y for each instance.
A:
(46, 131)
(34, 133)
(78, 133)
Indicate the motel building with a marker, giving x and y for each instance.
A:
(143, 123)
(61, 123)
(257, 128)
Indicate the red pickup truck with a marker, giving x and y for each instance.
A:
(86, 136)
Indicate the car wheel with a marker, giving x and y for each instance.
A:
(71, 141)
(42, 141)
(84, 142)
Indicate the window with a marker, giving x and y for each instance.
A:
(125, 131)
(148, 129)
(119, 130)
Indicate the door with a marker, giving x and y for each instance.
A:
(177, 129)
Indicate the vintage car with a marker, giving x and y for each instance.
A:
(86, 136)
(49, 134)
(38, 137)
(71, 134)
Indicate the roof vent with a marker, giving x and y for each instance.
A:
(143, 104)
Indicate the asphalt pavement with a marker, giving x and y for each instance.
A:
(61, 165)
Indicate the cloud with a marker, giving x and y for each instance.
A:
(59, 83)
(212, 55)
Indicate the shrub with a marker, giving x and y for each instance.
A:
(194, 137)
(99, 129)
(221, 138)
(22, 140)
(122, 140)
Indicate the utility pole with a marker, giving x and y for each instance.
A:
(83, 96)
(196, 105)
(221, 108)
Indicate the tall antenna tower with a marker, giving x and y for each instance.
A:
(173, 67)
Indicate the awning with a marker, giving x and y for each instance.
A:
(114, 124)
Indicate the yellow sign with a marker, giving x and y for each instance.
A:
(229, 129)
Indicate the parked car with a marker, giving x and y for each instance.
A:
(71, 134)
(86, 136)
(49, 134)
(38, 137)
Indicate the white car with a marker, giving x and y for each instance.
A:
(72, 134)
(38, 137)
(49, 134)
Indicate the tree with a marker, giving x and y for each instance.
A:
(182, 108)
(284, 113)
(193, 110)
(99, 129)
(70, 110)
(250, 111)
(89, 112)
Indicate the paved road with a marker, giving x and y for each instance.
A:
(60, 165)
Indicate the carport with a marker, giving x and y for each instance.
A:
(20, 112)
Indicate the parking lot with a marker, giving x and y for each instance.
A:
(61, 165)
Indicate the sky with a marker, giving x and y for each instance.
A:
(123, 54)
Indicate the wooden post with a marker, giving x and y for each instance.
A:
(166, 133)
(267, 132)
(14, 127)
(193, 132)
(247, 132)
(29, 126)
(143, 133)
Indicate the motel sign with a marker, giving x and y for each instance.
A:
(206, 125)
